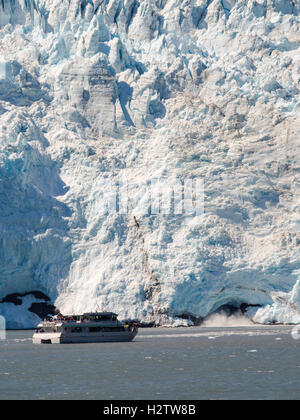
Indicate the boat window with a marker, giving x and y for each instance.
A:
(113, 329)
(94, 329)
(76, 330)
(104, 318)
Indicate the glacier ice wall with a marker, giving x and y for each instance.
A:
(93, 91)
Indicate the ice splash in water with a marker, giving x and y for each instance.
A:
(223, 320)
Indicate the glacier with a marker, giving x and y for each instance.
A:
(93, 92)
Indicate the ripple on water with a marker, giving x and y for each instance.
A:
(106, 372)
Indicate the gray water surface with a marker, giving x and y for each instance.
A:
(259, 362)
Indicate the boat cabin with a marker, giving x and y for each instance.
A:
(89, 327)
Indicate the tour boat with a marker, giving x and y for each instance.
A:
(96, 327)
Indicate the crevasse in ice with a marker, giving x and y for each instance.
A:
(94, 92)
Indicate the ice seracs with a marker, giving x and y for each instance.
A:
(145, 90)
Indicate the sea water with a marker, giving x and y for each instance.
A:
(252, 362)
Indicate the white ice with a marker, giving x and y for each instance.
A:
(98, 91)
